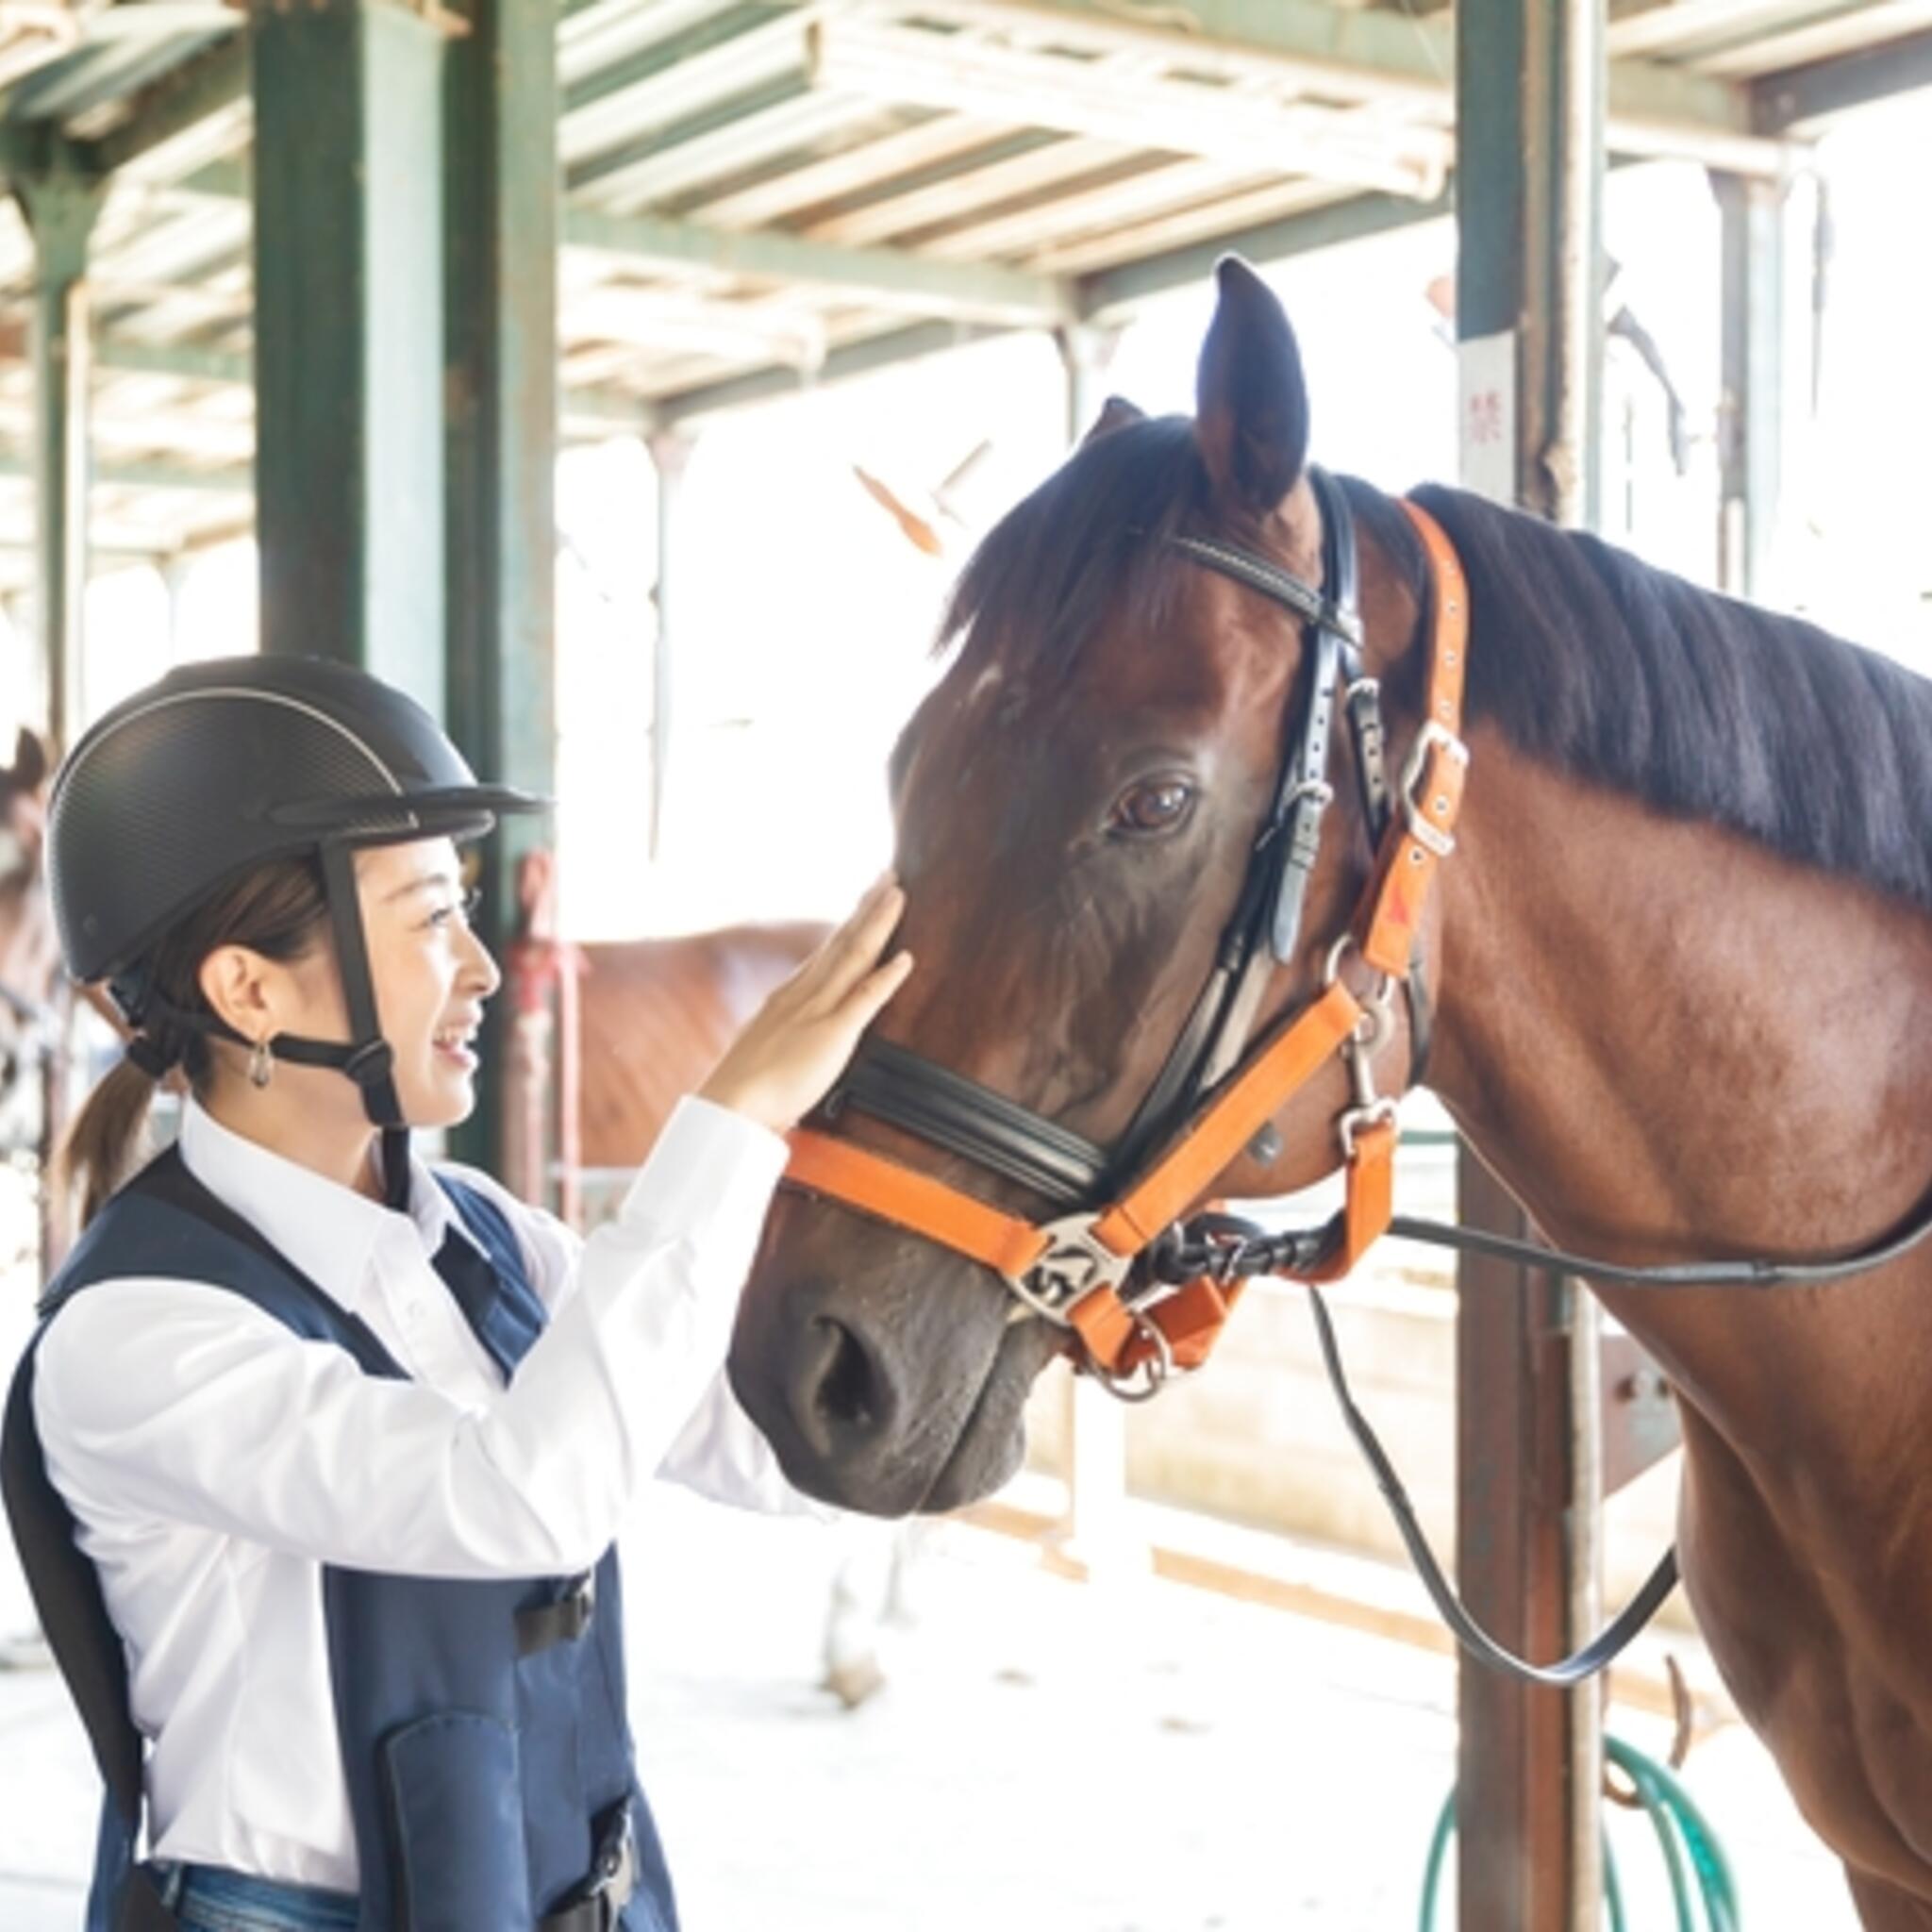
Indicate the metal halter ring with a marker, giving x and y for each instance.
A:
(1377, 1003)
(1145, 1383)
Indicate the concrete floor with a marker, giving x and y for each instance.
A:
(1134, 1757)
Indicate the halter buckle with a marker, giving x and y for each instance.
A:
(1145, 1383)
(1358, 1119)
(1432, 737)
(1075, 1264)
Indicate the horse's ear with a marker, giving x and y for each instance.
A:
(1116, 415)
(1251, 406)
(29, 762)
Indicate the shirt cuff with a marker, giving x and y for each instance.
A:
(709, 1166)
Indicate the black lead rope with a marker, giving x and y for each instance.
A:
(1575, 1669)
(1231, 1249)
(1677, 1275)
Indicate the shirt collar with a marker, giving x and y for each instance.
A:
(332, 1233)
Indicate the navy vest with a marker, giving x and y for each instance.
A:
(482, 1724)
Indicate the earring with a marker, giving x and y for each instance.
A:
(260, 1068)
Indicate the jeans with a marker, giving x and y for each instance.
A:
(206, 1898)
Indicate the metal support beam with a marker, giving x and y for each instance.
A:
(888, 278)
(1530, 87)
(1112, 293)
(1795, 101)
(203, 86)
(851, 358)
(348, 357)
(1518, 1807)
(500, 173)
(1751, 407)
(59, 206)
(1391, 59)
(670, 454)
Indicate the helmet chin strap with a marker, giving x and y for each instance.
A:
(367, 1058)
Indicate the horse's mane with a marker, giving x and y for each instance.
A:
(1093, 533)
(1586, 658)
(1702, 706)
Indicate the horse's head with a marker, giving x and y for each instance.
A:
(1077, 803)
(23, 807)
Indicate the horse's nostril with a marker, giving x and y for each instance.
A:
(847, 1395)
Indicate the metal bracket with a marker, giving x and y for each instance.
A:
(1639, 1414)
(1075, 1264)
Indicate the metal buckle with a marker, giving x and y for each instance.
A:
(1074, 1265)
(1145, 1383)
(1432, 734)
(617, 1871)
(1358, 1119)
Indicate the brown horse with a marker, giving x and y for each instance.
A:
(29, 949)
(653, 1016)
(1681, 969)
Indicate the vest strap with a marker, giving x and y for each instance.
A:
(561, 1622)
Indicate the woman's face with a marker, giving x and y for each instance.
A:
(431, 974)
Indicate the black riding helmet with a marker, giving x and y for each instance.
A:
(224, 765)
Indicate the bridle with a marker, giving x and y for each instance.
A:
(1143, 1284)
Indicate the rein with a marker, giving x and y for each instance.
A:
(1143, 1284)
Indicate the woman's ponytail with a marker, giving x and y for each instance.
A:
(281, 911)
(107, 1138)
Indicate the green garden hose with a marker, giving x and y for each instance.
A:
(1684, 1838)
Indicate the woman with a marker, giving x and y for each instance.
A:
(318, 1456)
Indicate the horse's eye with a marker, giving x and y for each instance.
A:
(1156, 804)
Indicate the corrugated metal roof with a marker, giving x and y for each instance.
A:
(758, 190)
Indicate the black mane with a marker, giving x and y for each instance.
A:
(1586, 658)
(1093, 533)
(1702, 706)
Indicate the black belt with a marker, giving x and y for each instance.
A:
(598, 1904)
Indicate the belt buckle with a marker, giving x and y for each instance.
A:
(615, 1878)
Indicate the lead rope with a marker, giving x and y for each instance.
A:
(1574, 1668)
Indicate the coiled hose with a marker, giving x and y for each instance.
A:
(1684, 1838)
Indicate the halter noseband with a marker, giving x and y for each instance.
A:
(1144, 1287)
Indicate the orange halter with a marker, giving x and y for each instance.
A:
(1074, 1270)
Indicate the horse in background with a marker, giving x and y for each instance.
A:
(29, 947)
(655, 1015)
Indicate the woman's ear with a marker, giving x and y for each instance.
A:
(240, 988)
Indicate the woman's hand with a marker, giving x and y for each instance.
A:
(797, 1043)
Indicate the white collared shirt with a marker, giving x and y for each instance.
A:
(215, 1461)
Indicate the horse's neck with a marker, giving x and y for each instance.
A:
(1671, 1043)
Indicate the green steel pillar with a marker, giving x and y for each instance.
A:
(1751, 418)
(59, 204)
(348, 356)
(500, 188)
(671, 451)
(1531, 77)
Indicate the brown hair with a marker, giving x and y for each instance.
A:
(279, 911)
